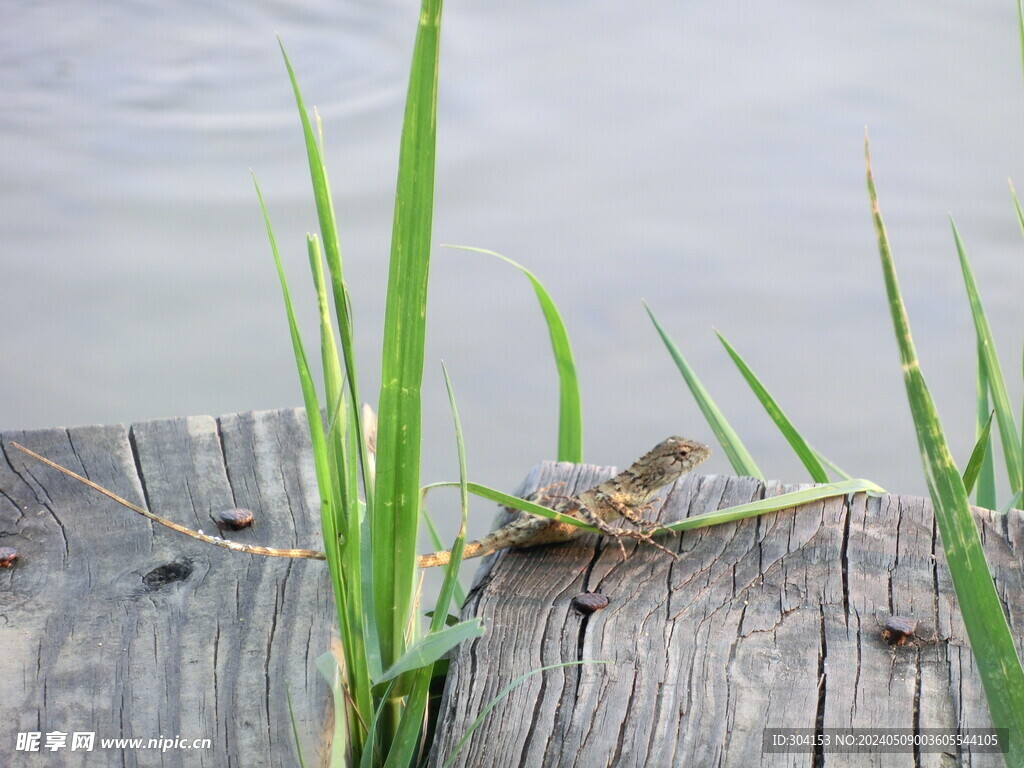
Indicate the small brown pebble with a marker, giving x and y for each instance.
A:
(234, 519)
(7, 556)
(588, 602)
(898, 630)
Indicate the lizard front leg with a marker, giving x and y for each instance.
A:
(596, 508)
(632, 513)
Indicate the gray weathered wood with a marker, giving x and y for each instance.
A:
(769, 622)
(114, 625)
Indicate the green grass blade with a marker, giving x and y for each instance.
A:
(570, 412)
(507, 500)
(995, 653)
(1020, 30)
(406, 743)
(371, 755)
(794, 438)
(341, 411)
(395, 518)
(295, 726)
(826, 461)
(458, 594)
(1004, 412)
(978, 457)
(328, 667)
(325, 481)
(332, 251)
(329, 515)
(1013, 503)
(451, 571)
(1020, 224)
(345, 492)
(742, 462)
(775, 503)
(343, 456)
(501, 695)
(1017, 209)
(321, 189)
(986, 480)
(432, 646)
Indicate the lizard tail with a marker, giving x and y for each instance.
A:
(528, 531)
(473, 549)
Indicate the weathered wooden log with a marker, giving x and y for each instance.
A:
(110, 624)
(772, 622)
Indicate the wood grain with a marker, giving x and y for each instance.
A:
(114, 625)
(770, 622)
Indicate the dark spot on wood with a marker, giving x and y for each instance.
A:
(7, 556)
(234, 519)
(168, 573)
(588, 602)
(898, 630)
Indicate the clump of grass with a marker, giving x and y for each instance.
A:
(994, 649)
(382, 680)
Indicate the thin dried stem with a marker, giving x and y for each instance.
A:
(252, 549)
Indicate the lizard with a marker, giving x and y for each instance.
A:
(623, 496)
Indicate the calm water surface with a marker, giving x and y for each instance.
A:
(706, 157)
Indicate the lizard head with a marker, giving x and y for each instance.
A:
(670, 459)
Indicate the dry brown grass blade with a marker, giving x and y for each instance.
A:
(252, 549)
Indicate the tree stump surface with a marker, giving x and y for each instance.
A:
(114, 625)
(774, 621)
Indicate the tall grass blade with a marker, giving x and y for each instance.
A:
(458, 593)
(775, 504)
(356, 624)
(742, 462)
(330, 517)
(978, 458)
(318, 176)
(507, 500)
(986, 480)
(1004, 412)
(295, 726)
(994, 650)
(451, 573)
(826, 461)
(407, 742)
(371, 756)
(570, 412)
(1016, 204)
(328, 667)
(1013, 503)
(432, 646)
(332, 251)
(395, 518)
(793, 437)
(1020, 30)
(1020, 224)
(344, 452)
